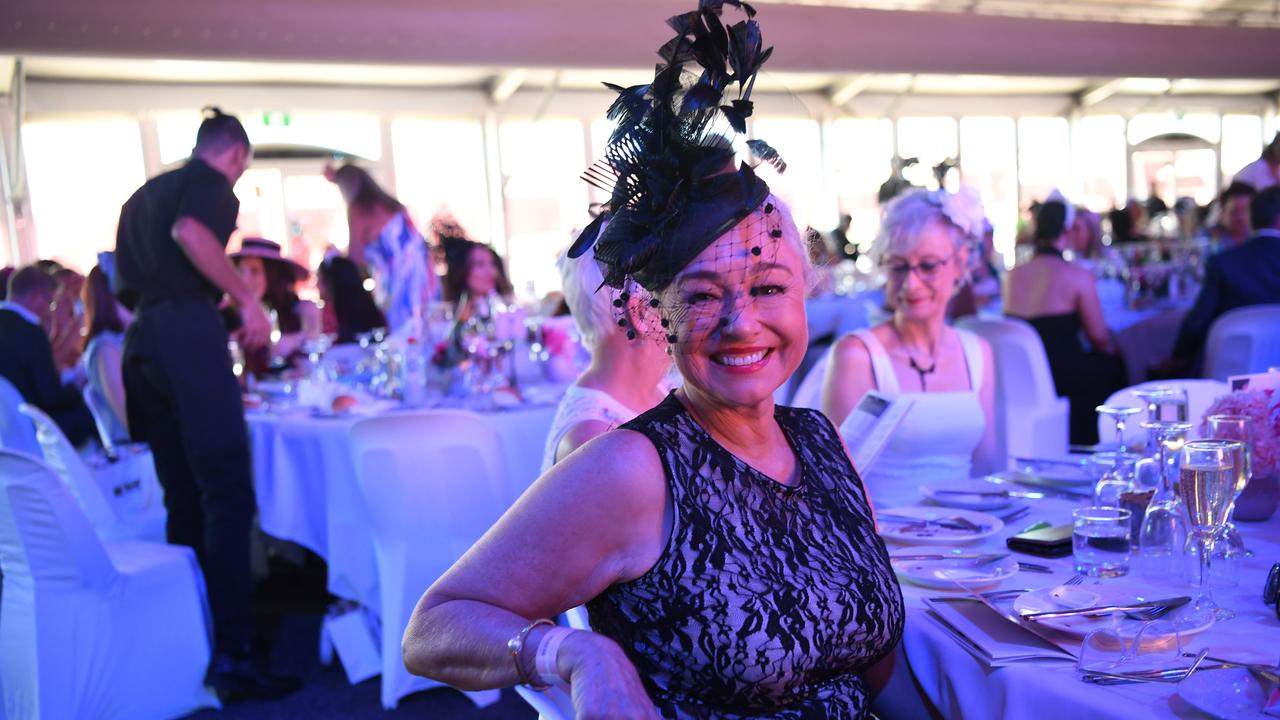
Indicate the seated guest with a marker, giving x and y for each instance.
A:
(948, 374)
(475, 278)
(342, 291)
(1233, 227)
(982, 291)
(271, 277)
(385, 241)
(66, 324)
(1265, 171)
(1234, 278)
(104, 346)
(1060, 300)
(5, 274)
(1086, 237)
(627, 367)
(26, 357)
(723, 545)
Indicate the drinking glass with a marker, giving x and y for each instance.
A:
(1116, 480)
(1119, 414)
(1206, 483)
(1156, 399)
(1100, 541)
(1162, 536)
(1240, 429)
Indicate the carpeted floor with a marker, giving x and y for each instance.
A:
(290, 603)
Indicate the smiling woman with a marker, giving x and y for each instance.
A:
(657, 527)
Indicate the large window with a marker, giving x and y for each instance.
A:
(1241, 142)
(1044, 157)
(545, 199)
(79, 173)
(440, 168)
(989, 164)
(860, 153)
(930, 140)
(1099, 151)
(799, 142)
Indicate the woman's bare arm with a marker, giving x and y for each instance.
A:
(847, 379)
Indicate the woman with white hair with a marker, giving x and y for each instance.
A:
(946, 373)
(627, 368)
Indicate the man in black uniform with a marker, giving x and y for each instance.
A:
(184, 399)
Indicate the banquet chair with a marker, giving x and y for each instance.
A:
(809, 393)
(16, 431)
(123, 500)
(105, 419)
(92, 629)
(1242, 341)
(1200, 395)
(1031, 420)
(433, 483)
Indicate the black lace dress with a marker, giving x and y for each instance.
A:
(769, 600)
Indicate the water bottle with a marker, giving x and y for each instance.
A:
(414, 392)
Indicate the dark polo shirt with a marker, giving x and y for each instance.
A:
(150, 265)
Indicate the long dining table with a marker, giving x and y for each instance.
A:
(960, 685)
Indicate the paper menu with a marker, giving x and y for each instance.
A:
(990, 638)
(867, 429)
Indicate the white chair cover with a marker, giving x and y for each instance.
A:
(433, 482)
(92, 631)
(16, 431)
(809, 392)
(1031, 420)
(1200, 395)
(1245, 340)
(123, 500)
(104, 419)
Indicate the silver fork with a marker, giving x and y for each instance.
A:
(1148, 614)
(1075, 579)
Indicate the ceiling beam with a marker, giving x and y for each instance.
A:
(590, 34)
(504, 85)
(841, 93)
(1095, 94)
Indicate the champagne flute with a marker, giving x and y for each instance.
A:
(1206, 484)
(1240, 429)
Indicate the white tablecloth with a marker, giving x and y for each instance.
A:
(962, 687)
(307, 492)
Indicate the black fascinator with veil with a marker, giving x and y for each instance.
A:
(669, 165)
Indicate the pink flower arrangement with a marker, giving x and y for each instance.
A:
(1261, 405)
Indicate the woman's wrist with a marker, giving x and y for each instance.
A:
(580, 646)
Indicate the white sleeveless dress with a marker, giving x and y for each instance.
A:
(580, 404)
(936, 439)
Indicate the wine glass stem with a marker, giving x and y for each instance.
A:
(1205, 541)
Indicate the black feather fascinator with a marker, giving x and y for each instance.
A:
(669, 164)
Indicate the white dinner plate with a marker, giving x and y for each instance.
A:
(1226, 694)
(925, 534)
(1070, 598)
(958, 574)
(976, 501)
(1070, 471)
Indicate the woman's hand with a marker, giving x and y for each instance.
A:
(604, 682)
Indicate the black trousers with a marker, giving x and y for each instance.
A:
(184, 401)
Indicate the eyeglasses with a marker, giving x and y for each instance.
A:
(927, 269)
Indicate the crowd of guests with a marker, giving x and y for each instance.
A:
(668, 467)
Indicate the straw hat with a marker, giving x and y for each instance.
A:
(268, 250)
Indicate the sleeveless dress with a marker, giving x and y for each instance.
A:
(1085, 378)
(936, 439)
(768, 601)
(581, 404)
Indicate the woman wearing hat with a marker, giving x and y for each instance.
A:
(723, 546)
(271, 277)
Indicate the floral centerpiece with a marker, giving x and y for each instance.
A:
(1259, 499)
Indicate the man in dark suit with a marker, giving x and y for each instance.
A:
(26, 357)
(1248, 274)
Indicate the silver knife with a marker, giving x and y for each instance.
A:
(1172, 602)
(986, 557)
(994, 493)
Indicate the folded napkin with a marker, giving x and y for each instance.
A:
(991, 638)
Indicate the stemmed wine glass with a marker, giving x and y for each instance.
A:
(1163, 534)
(1119, 476)
(1206, 485)
(1240, 429)
(1156, 399)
